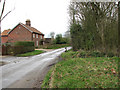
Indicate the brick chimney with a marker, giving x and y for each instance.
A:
(28, 22)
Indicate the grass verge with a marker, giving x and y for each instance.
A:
(55, 46)
(36, 52)
(91, 72)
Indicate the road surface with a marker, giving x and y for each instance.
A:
(27, 72)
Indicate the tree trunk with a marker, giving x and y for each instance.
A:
(102, 37)
(0, 40)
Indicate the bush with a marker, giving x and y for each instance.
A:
(24, 43)
(84, 54)
(36, 47)
(14, 50)
(19, 48)
(102, 54)
(110, 54)
(96, 54)
(7, 44)
(60, 40)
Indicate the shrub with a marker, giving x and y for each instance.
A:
(19, 47)
(18, 50)
(110, 54)
(24, 43)
(36, 47)
(14, 50)
(96, 54)
(7, 44)
(82, 54)
(102, 54)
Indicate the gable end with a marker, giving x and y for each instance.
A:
(17, 25)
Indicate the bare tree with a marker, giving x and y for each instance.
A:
(99, 24)
(1, 18)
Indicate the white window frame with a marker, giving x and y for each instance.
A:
(36, 35)
(40, 36)
(37, 43)
(33, 35)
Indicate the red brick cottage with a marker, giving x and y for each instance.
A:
(22, 32)
(4, 36)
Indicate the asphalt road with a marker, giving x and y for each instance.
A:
(27, 72)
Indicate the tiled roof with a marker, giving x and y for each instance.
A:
(5, 32)
(32, 29)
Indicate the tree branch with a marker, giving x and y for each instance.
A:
(2, 9)
(5, 15)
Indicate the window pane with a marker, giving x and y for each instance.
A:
(36, 35)
(37, 43)
(41, 37)
(33, 35)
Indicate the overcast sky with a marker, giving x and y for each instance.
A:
(45, 15)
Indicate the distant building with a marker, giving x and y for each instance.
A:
(22, 32)
(47, 40)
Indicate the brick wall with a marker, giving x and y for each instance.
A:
(37, 39)
(4, 39)
(20, 33)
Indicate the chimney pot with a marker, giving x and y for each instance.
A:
(28, 22)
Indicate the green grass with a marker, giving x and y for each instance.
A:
(92, 72)
(54, 46)
(36, 52)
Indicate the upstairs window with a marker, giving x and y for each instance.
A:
(40, 36)
(33, 35)
(36, 35)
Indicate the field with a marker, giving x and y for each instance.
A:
(89, 72)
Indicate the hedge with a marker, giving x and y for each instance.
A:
(19, 48)
(24, 43)
(22, 49)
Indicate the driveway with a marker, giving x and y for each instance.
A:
(28, 72)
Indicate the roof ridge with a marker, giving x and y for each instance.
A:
(35, 30)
